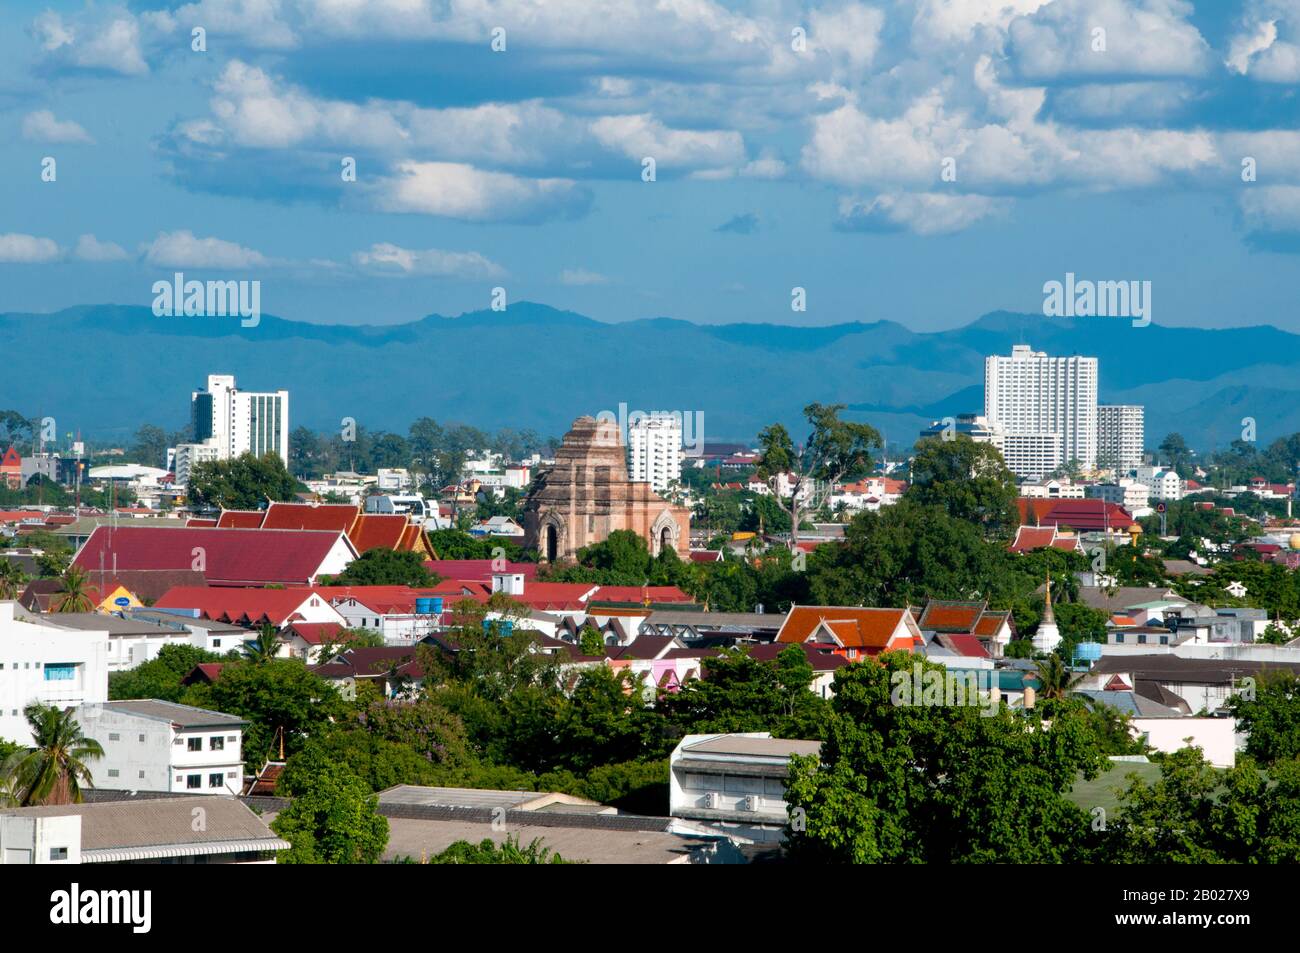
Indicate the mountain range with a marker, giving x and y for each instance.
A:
(103, 370)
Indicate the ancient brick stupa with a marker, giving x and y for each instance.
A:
(586, 495)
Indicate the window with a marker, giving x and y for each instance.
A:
(215, 780)
(141, 738)
(232, 774)
(1142, 640)
(194, 781)
(216, 643)
(60, 673)
(196, 744)
(141, 775)
(112, 772)
(216, 743)
(58, 853)
(232, 738)
(114, 736)
(1119, 638)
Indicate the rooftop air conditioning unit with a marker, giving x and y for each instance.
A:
(749, 803)
(711, 800)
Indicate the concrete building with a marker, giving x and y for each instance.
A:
(1030, 394)
(228, 422)
(1032, 455)
(1121, 436)
(138, 831)
(1165, 485)
(152, 745)
(1128, 493)
(42, 661)
(655, 450)
(734, 782)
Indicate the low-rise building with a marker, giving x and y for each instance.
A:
(42, 661)
(153, 745)
(139, 831)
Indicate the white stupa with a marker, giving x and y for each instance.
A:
(1047, 636)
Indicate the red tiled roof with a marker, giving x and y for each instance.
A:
(230, 556)
(326, 516)
(240, 519)
(968, 646)
(480, 570)
(242, 606)
(1082, 515)
(314, 633)
(382, 531)
(199, 522)
(855, 627)
(635, 594)
(944, 616)
(706, 556)
(989, 623)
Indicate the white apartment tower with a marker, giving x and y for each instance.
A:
(229, 422)
(655, 449)
(1046, 405)
(1121, 436)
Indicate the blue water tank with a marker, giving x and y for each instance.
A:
(423, 606)
(1088, 651)
(506, 626)
(437, 605)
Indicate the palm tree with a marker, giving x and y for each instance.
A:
(1055, 678)
(263, 648)
(55, 769)
(12, 579)
(74, 594)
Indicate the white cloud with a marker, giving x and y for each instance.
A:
(41, 126)
(89, 248)
(849, 34)
(1245, 45)
(182, 250)
(27, 249)
(460, 191)
(1141, 38)
(925, 213)
(387, 259)
(95, 43)
(1271, 208)
(639, 136)
(581, 276)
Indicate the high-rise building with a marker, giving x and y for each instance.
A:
(1121, 436)
(229, 422)
(655, 450)
(1035, 398)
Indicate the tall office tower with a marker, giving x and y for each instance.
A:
(1121, 436)
(229, 422)
(1031, 395)
(655, 450)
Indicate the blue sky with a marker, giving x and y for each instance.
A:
(782, 160)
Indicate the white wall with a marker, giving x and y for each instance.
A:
(26, 649)
(1216, 737)
(148, 754)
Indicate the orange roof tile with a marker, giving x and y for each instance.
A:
(854, 626)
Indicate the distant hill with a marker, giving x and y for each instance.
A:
(106, 369)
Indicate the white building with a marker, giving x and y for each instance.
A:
(42, 661)
(148, 830)
(152, 745)
(230, 422)
(1164, 484)
(1054, 490)
(1032, 455)
(734, 782)
(1032, 395)
(655, 450)
(1121, 436)
(1128, 493)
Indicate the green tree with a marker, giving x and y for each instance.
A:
(54, 771)
(969, 480)
(263, 648)
(12, 579)
(245, 483)
(159, 677)
(488, 851)
(1269, 715)
(74, 592)
(276, 697)
(333, 819)
(590, 641)
(899, 782)
(834, 450)
(150, 448)
(387, 567)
